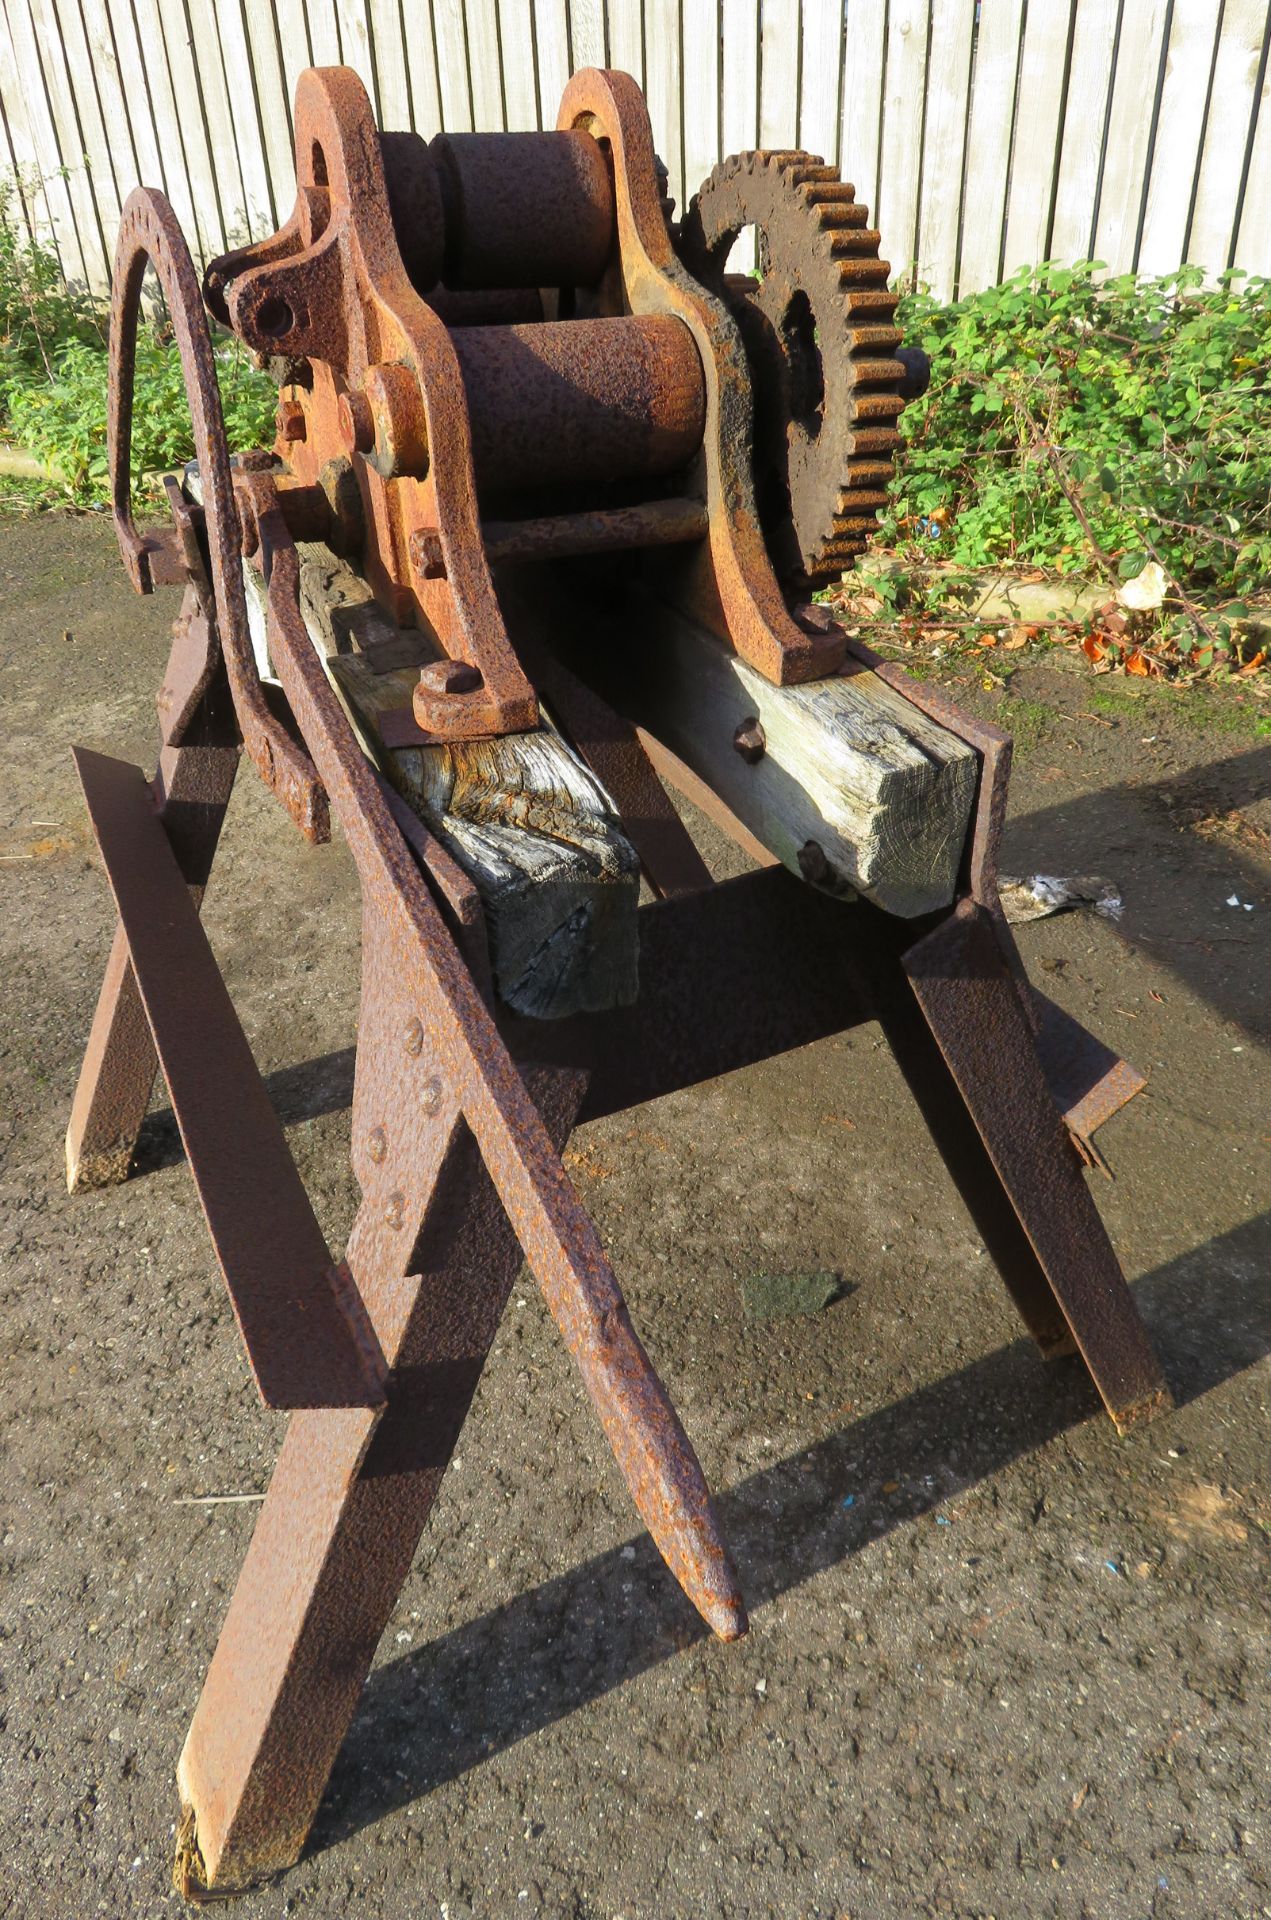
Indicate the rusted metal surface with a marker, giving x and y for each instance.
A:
(581, 402)
(269, 1245)
(491, 351)
(820, 330)
(150, 235)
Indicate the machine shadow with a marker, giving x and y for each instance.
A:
(430, 1716)
(1225, 968)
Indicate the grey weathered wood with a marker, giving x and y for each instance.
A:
(856, 790)
(558, 879)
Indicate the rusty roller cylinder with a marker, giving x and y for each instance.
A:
(523, 209)
(581, 401)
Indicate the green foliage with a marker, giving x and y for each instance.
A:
(54, 369)
(1089, 424)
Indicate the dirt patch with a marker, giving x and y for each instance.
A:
(1001, 1662)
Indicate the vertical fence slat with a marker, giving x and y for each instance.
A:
(943, 145)
(1041, 81)
(551, 36)
(452, 66)
(1085, 120)
(626, 37)
(355, 48)
(779, 73)
(904, 88)
(1244, 27)
(324, 32)
(293, 43)
(151, 113)
(26, 159)
(1176, 156)
(988, 154)
(662, 54)
(587, 33)
(862, 115)
(43, 136)
(103, 176)
(166, 38)
(739, 103)
(71, 140)
(244, 211)
(701, 92)
(273, 105)
(982, 133)
(1133, 100)
(520, 91)
(421, 70)
(261, 214)
(822, 41)
(391, 78)
(1253, 239)
(484, 67)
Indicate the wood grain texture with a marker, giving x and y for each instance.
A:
(1085, 124)
(1041, 87)
(1180, 132)
(1232, 101)
(558, 879)
(856, 789)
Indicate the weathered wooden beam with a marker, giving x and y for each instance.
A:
(525, 820)
(854, 788)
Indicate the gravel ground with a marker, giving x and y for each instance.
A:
(1001, 1661)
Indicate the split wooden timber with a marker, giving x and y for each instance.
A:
(524, 818)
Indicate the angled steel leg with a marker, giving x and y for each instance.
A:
(1020, 1175)
(346, 1506)
(192, 787)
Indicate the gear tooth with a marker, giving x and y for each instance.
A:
(878, 373)
(816, 240)
(846, 241)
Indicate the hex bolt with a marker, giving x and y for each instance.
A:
(450, 676)
(750, 740)
(430, 1094)
(292, 424)
(415, 1037)
(357, 422)
(395, 1211)
(377, 1144)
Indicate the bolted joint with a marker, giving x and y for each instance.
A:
(385, 423)
(750, 741)
(356, 421)
(450, 676)
(425, 553)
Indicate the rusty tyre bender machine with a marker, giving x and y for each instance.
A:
(499, 360)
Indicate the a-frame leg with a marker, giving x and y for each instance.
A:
(192, 789)
(966, 1049)
(347, 1503)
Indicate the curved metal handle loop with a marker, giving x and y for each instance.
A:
(150, 235)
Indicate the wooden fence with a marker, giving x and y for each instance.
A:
(983, 133)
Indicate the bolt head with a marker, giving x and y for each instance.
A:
(356, 421)
(415, 1037)
(450, 676)
(377, 1144)
(395, 1211)
(750, 741)
(292, 424)
(430, 1094)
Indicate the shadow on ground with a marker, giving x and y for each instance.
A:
(552, 1650)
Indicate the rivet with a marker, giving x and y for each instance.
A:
(394, 1211)
(430, 1095)
(377, 1144)
(415, 1037)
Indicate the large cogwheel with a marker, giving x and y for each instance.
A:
(820, 335)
